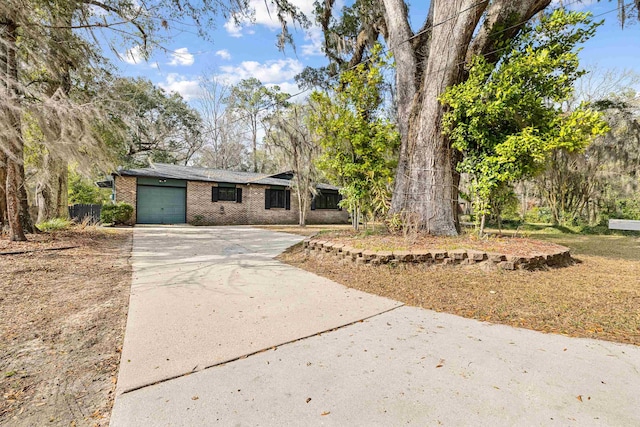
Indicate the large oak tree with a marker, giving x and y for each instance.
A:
(428, 61)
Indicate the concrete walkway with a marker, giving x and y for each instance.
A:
(205, 296)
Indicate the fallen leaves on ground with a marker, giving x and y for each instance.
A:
(384, 241)
(599, 297)
(63, 315)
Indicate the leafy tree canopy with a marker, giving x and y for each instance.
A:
(84, 191)
(252, 103)
(155, 125)
(507, 119)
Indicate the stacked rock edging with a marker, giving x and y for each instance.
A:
(558, 258)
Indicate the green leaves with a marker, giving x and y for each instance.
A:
(507, 119)
(158, 125)
(358, 142)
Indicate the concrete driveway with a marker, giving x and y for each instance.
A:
(220, 333)
(202, 296)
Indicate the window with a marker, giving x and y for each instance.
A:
(226, 193)
(277, 198)
(326, 201)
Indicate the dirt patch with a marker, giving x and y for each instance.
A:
(507, 245)
(36, 242)
(64, 313)
(597, 298)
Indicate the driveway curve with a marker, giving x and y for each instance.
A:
(215, 298)
(202, 296)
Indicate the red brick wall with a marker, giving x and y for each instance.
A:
(260, 215)
(202, 211)
(126, 191)
(327, 216)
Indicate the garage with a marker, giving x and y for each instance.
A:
(161, 201)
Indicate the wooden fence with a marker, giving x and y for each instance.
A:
(80, 213)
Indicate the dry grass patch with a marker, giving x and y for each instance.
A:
(596, 298)
(64, 314)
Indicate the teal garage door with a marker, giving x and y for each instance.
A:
(161, 205)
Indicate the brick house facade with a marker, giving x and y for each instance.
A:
(215, 197)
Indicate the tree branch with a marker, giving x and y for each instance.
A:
(503, 21)
(111, 9)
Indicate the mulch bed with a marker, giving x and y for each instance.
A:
(516, 246)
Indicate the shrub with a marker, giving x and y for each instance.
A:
(540, 215)
(55, 224)
(119, 213)
(628, 209)
(84, 191)
(198, 220)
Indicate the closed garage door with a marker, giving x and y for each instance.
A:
(161, 205)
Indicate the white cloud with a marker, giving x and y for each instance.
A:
(268, 17)
(189, 89)
(263, 15)
(181, 56)
(133, 56)
(232, 28)
(315, 37)
(268, 72)
(98, 11)
(224, 54)
(572, 4)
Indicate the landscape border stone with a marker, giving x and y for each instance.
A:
(537, 261)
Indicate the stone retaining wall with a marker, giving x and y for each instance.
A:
(560, 258)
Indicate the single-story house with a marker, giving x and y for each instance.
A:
(172, 194)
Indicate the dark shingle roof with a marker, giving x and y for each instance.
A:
(190, 173)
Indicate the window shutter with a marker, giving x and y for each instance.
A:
(215, 194)
(238, 195)
(267, 199)
(287, 200)
(313, 203)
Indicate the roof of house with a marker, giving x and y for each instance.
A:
(191, 173)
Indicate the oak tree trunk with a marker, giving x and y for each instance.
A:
(427, 63)
(3, 197)
(25, 211)
(52, 191)
(425, 188)
(12, 143)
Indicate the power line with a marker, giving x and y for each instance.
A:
(428, 29)
(369, 59)
(507, 47)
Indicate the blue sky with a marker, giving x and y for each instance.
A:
(249, 50)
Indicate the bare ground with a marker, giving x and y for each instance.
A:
(64, 313)
(599, 297)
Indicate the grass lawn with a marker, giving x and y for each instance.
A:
(599, 297)
(63, 316)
